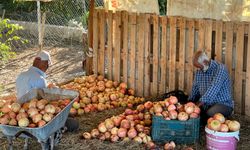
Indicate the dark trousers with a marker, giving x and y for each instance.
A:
(216, 108)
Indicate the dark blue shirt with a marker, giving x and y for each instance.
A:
(213, 86)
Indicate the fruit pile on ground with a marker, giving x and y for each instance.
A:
(98, 94)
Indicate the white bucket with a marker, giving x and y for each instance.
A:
(221, 140)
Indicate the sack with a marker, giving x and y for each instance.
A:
(181, 96)
(141, 6)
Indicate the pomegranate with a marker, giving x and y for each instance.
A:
(132, 133)
(122, 132)
(15, 107)
(41, 123)
(215, 125)
(36, 118)
(114, 138)
(123, 85)
(102, 128)
(171, 107)
(109, 124)
(114, 131)
(125, 124)
(182, 116)
(21, 115)
(173, 114)
(224, 128)
(107, 135)
(194, 115)
(47, 117)
(138, 139)
(220, 117)
(148, 105)
(173, 100)
(94, 133)
(86, 135)
(76, 105)
(129, 112)
(50, 109)
(32, 111)
(13, 122)
(189, 109)
(157, 108)
(234, 125)
(23, 122)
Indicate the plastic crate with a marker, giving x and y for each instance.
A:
(181, 132)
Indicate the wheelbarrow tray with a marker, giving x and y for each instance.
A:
(44, 132)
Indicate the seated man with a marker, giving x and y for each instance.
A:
(211, 87)
(35, 77)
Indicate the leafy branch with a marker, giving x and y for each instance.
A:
(7, 37)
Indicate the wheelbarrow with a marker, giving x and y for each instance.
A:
(49, 134)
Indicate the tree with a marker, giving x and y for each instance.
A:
(7, 36)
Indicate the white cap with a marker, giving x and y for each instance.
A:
(44, 55)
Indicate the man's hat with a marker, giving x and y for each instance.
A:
(44, 55)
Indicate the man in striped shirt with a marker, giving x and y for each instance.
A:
(212, 86)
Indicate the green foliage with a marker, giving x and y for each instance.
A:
(85, 19)
(163, 6)
(7, 36)
(14, 6)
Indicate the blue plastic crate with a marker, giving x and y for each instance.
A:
(181, 132)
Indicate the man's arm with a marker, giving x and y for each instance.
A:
(194, 92)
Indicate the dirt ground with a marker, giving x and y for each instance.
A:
(66, 65)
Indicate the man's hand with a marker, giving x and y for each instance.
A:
(199, 103)
(52, 85)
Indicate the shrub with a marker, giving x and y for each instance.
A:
(7, 36)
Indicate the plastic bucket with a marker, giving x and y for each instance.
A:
(220, 140)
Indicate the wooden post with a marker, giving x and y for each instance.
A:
(89, 58)
(39, 25)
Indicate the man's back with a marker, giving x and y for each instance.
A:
(32, 78)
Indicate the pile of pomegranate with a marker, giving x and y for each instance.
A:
(219, 123)
(34, 113)
(98, 94)
(136, 124)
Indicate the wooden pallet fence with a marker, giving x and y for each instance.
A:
(153, 54)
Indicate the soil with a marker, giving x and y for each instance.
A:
(67, 65)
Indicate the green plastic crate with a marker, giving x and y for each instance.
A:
(181, 132)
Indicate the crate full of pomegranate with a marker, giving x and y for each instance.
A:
(178, 122)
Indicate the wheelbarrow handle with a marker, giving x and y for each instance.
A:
(25, 133)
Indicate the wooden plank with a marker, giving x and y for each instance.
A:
(247, 95)
(239, 67)
(172, 53)
(229, 47)
(190, 53)
(218, 41)
(163, 22)
(146, 55)
(201, 34)
(182, 54)
(140, 38)
(132, 25)
(110, 45)
(101, 36)
(155, 53)
(95, 41)
(89, 60)
(208, 37)
(125, 46)
(117, 50)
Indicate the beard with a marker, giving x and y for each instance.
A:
(205, 68)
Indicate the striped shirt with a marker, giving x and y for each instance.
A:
(213, 86)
